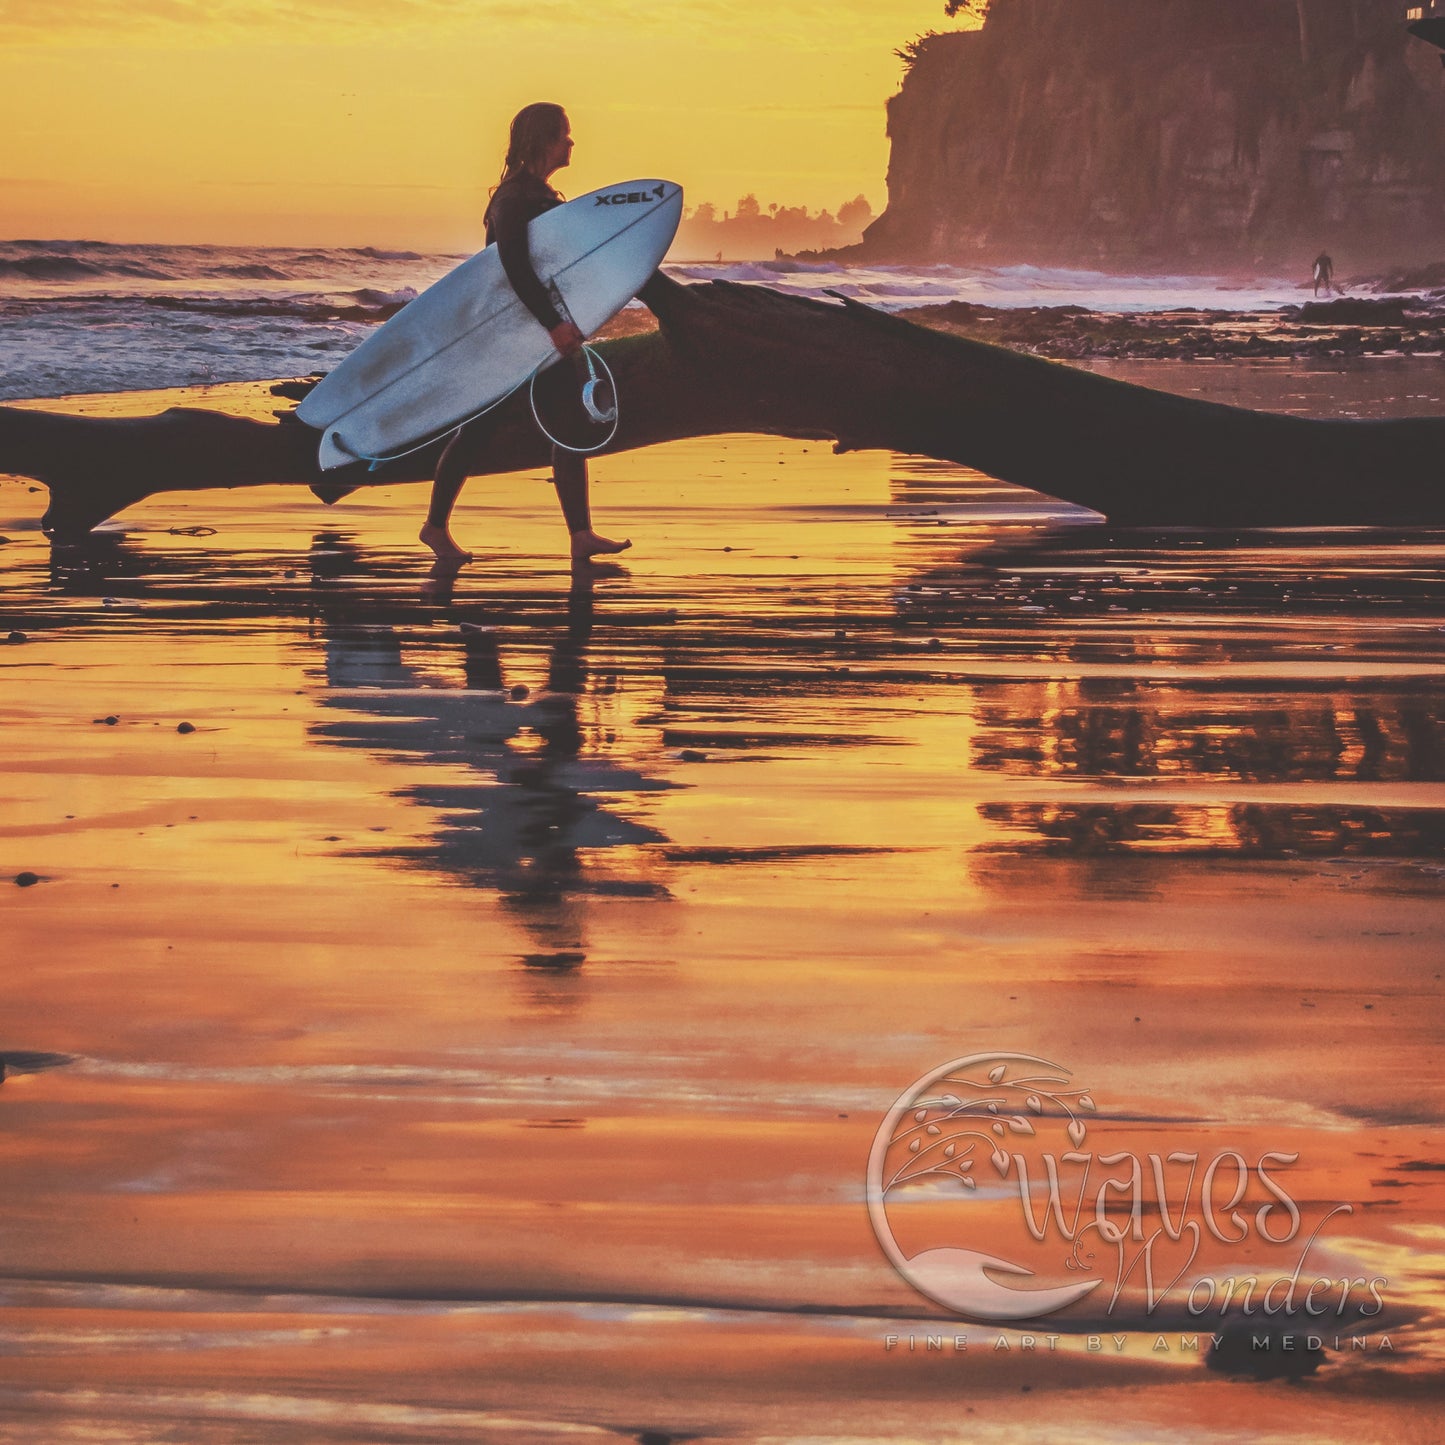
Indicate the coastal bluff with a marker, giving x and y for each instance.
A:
(1163, 132)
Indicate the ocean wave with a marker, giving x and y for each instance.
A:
(740, 270)
(87, 316)
(364, 304)
(372, 253)
(106, 308)
(72, 268)
(249, 271)
(55, 263)
(368, 296)
(901, 287)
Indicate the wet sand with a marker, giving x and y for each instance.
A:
(482, 1038)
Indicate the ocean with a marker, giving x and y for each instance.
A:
(92, 316)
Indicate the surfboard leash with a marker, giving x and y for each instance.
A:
(609, 412)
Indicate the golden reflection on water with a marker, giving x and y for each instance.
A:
(529, 993)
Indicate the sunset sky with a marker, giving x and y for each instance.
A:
(354, 122)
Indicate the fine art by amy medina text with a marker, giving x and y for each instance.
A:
(940, 937)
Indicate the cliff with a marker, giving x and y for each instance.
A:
(1226, 132)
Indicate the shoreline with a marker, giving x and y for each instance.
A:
(195, 327)
(1341, 328)
(1060, 333)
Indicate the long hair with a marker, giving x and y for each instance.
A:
(534, 128)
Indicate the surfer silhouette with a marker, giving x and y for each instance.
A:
(539, 145)
(1324, 273)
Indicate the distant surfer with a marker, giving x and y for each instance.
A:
(1324, 273)
(539, 144)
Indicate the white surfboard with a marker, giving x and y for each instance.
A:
(468, 340)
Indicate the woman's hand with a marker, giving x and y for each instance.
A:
(567, 338)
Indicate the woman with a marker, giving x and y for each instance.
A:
(540, 144)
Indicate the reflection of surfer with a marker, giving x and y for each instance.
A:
(1324, 273)
(540, 143)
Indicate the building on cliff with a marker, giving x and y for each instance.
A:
(1427, 20)
(1231, 133)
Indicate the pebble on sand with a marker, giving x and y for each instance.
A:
(520, 691)
(691, 755)
(26, 879)
(17, 637)
(185, 727)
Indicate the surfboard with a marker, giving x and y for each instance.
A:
(467, 341)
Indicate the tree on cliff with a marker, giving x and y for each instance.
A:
(855, 214)
(979, 10)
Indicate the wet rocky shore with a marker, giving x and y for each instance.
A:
(1379, 325)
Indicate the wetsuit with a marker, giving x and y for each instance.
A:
(515, 204)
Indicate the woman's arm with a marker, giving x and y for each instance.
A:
(510, 217)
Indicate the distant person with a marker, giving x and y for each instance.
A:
(539, 145)
(1324, 273)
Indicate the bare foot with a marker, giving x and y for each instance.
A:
(592, 544)
(440, 541)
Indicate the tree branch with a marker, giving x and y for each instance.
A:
(734, 358)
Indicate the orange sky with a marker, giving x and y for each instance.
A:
(382, 121)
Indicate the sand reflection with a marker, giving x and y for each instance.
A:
(419, 1020)
(538, 819)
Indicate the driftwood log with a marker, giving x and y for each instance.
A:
(732, 358)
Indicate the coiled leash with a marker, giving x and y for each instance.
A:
(600, 405)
